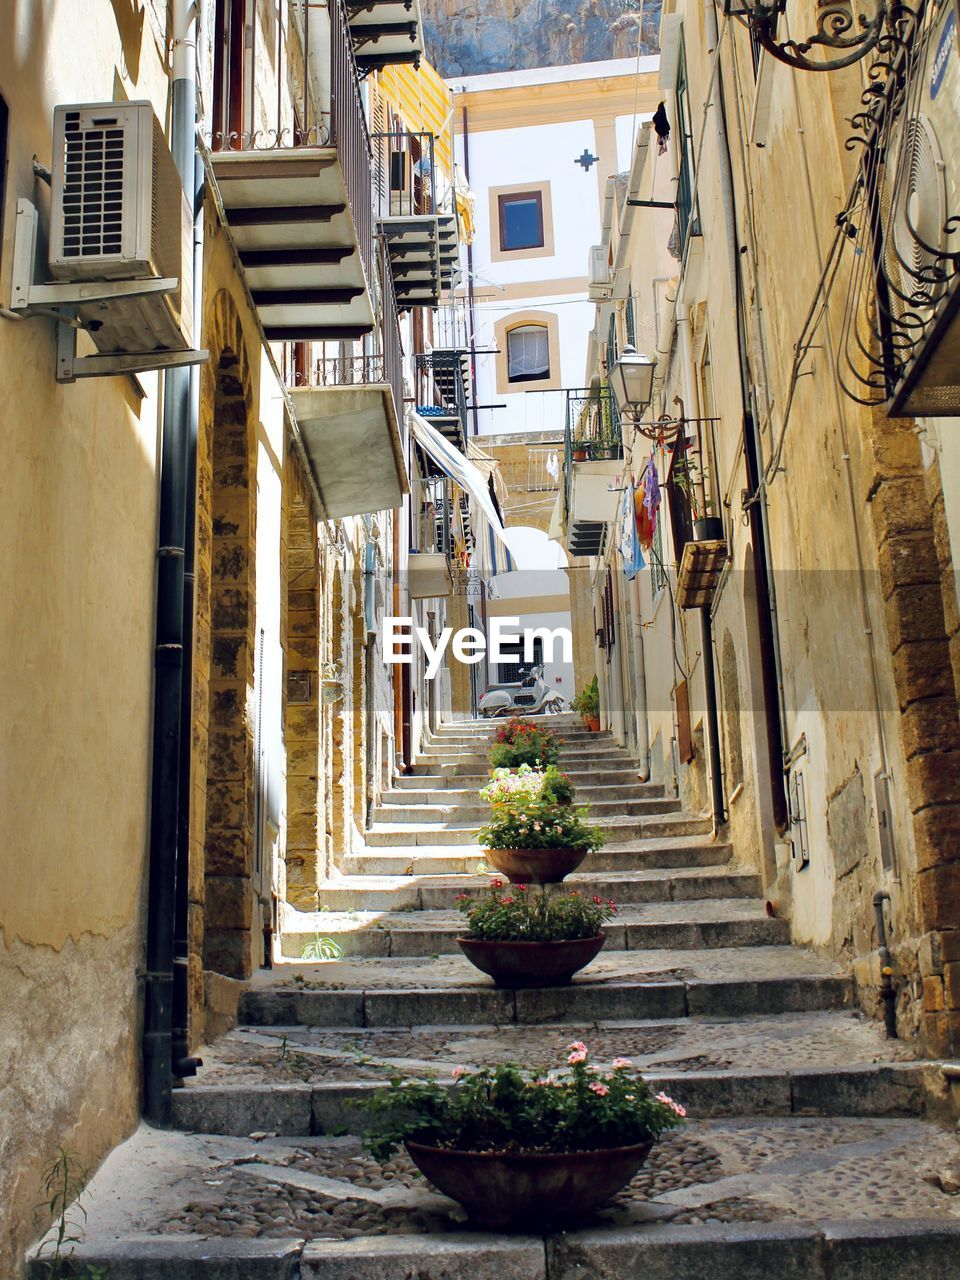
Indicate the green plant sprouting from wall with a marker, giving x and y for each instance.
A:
(63, 1185)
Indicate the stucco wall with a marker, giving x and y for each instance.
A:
(78, 528)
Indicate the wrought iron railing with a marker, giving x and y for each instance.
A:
(440, 388)
(350, 135)
(404, 176)
(592, 430)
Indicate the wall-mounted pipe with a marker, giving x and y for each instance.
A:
(888, 992)
(165, 821)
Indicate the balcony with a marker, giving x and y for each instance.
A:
(300, 215)
(593, 450)
(348, 411)
(416, 215)
(443, 377)
(385, 33)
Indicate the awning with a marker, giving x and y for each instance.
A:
(425, 102)
(459, 468)
(468, 476)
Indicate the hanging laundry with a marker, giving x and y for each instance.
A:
(647, 504)
(629, 546)
(662, 126)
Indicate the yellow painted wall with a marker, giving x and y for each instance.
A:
(78, 529)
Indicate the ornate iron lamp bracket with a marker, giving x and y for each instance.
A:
(847, 36)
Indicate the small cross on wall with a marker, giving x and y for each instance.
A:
(587, 160)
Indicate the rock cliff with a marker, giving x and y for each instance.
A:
(471, 37)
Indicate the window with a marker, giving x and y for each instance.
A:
(232, 73)
(688, 217)
(521, 221)
(528, 353)
(631, 323)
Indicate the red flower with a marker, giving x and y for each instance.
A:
(597, 899)
(506, 902)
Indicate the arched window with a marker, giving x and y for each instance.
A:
(528, 353)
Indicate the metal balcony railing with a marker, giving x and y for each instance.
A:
(350, 135)
(404, 177)
(591, 431)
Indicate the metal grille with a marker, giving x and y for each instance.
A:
(92, 189)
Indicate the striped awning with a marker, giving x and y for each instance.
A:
(425, 103)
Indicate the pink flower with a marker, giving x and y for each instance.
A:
(599, 1089)
(620, 1063)
(669, 1102)
(577, 1044)
(458, 1072)
(579, 1055)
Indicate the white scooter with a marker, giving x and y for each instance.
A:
(530, 697)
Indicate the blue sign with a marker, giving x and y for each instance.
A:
(948, 40)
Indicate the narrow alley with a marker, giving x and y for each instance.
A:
(812, 1145)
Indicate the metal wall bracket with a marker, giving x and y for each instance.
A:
(32, 299)
(70, 366)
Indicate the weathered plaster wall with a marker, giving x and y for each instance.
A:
(78, 528)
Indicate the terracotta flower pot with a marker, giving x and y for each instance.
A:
(529, 1192)
(535, 866)
(531, 964)
(592, 723)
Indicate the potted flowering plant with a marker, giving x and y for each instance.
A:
(524, 1150)
(535, 834)
(520, 742)
(587, 704)
(523, 938)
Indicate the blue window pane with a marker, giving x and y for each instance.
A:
(521, 223)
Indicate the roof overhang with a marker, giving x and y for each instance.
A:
(385, 32)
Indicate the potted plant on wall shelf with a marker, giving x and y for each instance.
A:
(535, 834)
(526, 937)
(587, 704)
(521, 742)
(522, 1150)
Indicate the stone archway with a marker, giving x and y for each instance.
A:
(222, 817)
(301, 710)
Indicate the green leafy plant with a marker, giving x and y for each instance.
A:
(322, 949)
(63, 1185)
(520, 742)
(509, 787)
(587, 701)
(534, 810)
(507, 1109)
(516, 913)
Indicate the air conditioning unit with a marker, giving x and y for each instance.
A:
(118, 212)
(921, 220)
(600, 285)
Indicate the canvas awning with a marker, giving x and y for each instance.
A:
(492, 549)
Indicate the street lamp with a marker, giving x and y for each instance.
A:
(846, 30)
(631, 380)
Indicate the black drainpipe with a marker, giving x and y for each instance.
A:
(762, 566)
(713, 720)
(169, 650)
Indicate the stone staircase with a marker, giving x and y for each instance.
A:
(814, 1145)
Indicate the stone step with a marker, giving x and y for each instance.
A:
(738, 1198)
(467, 795)
(438, 892)
(426, 777)
(335, 1107)
(681, 851)
(570, 757)
(395, 835)
(681, 926)
(447, 990)
(391, 812)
